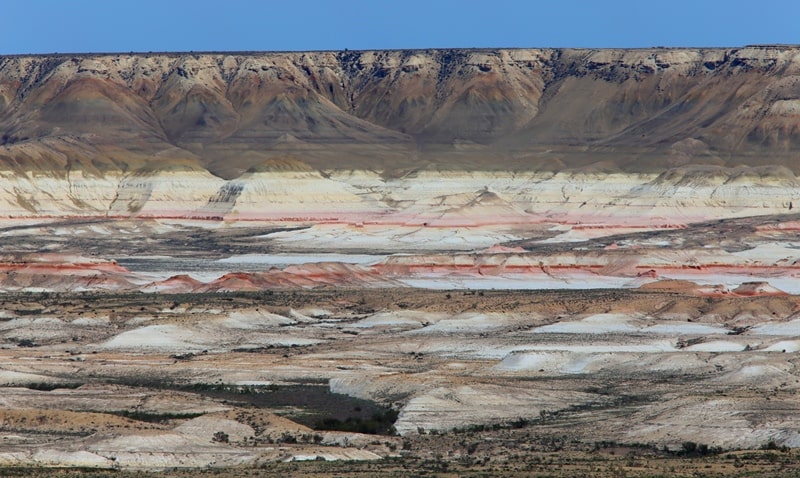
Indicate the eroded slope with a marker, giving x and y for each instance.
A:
(634, 109)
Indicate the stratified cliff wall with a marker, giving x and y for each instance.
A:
(210, 134)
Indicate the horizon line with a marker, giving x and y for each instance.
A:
(347, 50)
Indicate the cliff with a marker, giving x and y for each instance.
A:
(633, 110)
(192, 134)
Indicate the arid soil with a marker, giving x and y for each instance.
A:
(196, 380)
(149, 344)
(604, 462)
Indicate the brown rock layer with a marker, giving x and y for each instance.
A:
(550, 109)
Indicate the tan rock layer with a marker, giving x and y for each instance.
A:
(425, 198)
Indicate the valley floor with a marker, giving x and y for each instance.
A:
(478, 378)
(248, 346)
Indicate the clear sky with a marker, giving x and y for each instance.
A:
(46, 26)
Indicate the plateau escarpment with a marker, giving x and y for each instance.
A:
(634, 110)
(346, 136)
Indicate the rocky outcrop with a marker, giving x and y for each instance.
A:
(61, 273)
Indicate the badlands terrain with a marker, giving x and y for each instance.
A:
(550, 262)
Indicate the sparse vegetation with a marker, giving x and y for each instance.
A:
(154, 417)
(378, 424)
(220, 437)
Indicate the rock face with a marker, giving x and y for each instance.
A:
(231, 111)
(334, 135)
(423, 198)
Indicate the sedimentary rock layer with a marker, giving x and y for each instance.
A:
(437, 137)
(425, 198)
(634, 110)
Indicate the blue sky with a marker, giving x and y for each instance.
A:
(45, 26)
